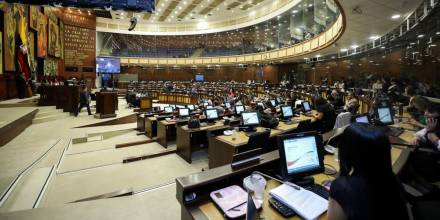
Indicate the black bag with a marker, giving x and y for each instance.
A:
(193, 123)
(268, 121)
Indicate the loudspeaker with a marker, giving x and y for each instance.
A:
(133, 23)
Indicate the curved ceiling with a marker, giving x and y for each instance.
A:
(177, 17)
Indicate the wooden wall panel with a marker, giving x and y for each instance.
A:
(271, 73)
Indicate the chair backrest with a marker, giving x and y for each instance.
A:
(343, 119)
(258, 140)
(304, 126)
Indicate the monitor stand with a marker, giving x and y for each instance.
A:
(288, 121)
(304, 181)
(249, 130)
(210, 122)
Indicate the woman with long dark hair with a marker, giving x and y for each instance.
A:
(367, 187)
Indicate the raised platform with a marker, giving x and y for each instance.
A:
(13, 121)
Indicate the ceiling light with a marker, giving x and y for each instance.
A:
(344, 50)
(354, 46)
(421, 36)
(382, 47)
(396, 16)
(438, 33)
(294, 11)
(318, 56)
(374, 37)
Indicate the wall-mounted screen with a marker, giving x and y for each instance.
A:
(108, 65)
(200, 78)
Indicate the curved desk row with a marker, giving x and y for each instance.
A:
(203, 183)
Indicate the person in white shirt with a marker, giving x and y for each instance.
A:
(377, 85)
(429, 136)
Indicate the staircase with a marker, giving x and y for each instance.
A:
(50, 113)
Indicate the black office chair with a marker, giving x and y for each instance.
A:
(304, 126)
(258, 140)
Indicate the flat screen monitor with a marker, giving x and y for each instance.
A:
(183, 112)
(191, 107)
(306, 106)
(301, 154)
(108, 65)
(211, 114)
(168, 109)
(205, 104)
(362, 119)
(180, 106)
(385, 116)
(239, 109)
(260, 104)
(227, 105)
(173, 106)
(239, 103)
(209, 107)
(279, 100)
(273, 102)
(199, 77)
(287, 111)
(250, 118)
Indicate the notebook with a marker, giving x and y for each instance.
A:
(306, 204)
(232, 201)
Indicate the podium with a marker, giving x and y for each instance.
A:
(106, 104)
(145, 103)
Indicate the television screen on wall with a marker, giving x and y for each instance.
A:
(108, 65)
(200, 78)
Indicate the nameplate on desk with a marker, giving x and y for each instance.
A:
(247, 158)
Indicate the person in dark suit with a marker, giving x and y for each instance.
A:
(84, 100)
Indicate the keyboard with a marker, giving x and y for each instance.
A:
(284, 210)
(318, 190)
(395, 132)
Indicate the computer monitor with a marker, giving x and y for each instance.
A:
(286, 112)
(205, 104)
(211, 114)
(279, 100)
(191, 107)
(273, 102)
(364, 118)
(239, 109)
(209, 107)
(168, 109)
(260, 104)
(301, 155)
(306, 106)
(250, 120)
(238, 103)
(384, 115)
(183, 112)
(227, 105)
(173, 106)
(180, 106)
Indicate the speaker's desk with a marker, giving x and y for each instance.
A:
(225, 147)
(190, 140)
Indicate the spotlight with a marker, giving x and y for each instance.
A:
(133, 23)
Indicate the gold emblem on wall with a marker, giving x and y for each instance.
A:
(33, 18)
(9, 36)
(54, 34)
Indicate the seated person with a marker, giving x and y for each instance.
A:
(344, 118)
(336, 99)
(220, 109)
(325, 117)
(416, 108)
(425, 163)
(366, 188)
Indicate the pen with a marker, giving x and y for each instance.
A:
(233, 208)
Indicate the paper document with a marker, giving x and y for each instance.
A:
(306, 204)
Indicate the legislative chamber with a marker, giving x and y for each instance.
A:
(220, 109)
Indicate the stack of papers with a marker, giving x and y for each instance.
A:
(306, 204)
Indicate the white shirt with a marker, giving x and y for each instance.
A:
(422, 134)
(343, 119)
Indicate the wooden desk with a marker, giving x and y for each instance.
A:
(145, 103)
(166, 131)
(225, 147)
(140, 119)
(151, 126)
(205, 182)
(190, 140)
(106, 104)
